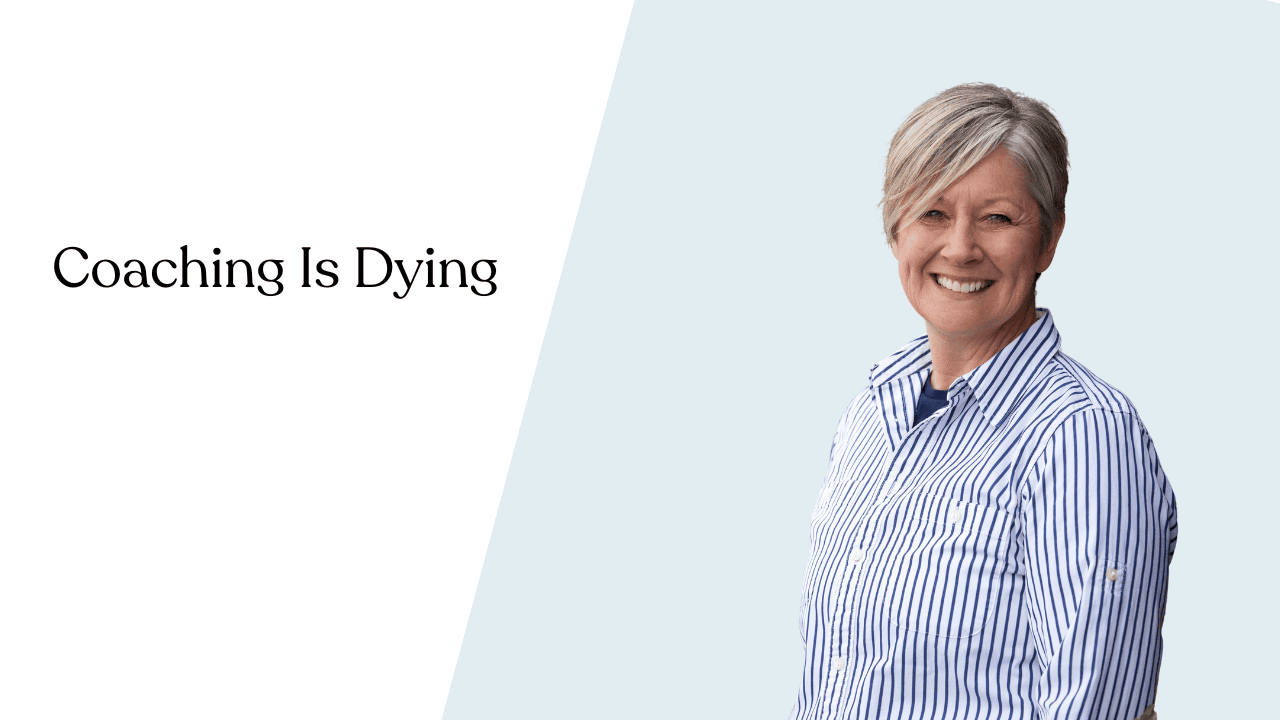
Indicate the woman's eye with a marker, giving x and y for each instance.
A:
(932, 214)
(997, 217)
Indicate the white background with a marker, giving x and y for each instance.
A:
(221, 504)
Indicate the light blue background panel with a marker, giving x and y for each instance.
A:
(727, 288)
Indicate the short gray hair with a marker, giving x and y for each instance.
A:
(954, 130)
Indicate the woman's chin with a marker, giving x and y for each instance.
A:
(959, 320)
(970, 321)
(975, 321)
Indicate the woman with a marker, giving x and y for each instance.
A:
(993, 535)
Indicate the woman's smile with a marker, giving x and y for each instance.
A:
(963, 287)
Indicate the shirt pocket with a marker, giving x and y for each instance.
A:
(947, 565)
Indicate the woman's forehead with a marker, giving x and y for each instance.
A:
(997, 177)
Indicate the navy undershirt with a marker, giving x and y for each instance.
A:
(930, 401)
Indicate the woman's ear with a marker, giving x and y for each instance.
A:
(1046, 257)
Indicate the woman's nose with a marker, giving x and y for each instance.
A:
(962, 244)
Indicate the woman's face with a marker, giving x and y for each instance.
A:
(968, 264)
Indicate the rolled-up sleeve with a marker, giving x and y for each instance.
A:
(1097, 529)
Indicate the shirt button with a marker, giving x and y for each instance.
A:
(1113, 574)
(955, 515)
(826, 494)
(856, 555)
(839, 663)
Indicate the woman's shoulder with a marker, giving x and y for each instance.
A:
(1067, 399)
(1076, 411)
(859, 407)
(1069, 378)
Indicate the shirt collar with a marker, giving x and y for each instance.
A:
(996, 383)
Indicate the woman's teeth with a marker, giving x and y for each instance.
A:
(960, 287)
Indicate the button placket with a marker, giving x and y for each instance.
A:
(846, 604)
(846, 601)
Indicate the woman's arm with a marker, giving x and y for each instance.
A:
(1098, 524)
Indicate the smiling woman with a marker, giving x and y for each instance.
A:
(993, 536)
(969, 264)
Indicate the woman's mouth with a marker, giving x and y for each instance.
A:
(971, 286)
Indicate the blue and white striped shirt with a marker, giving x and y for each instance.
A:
(1007, 557)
